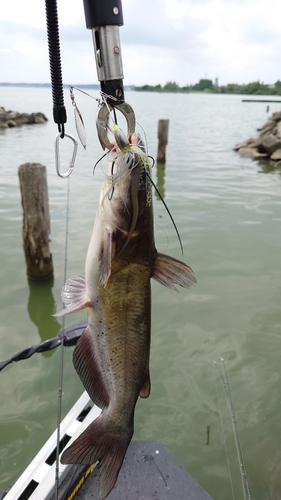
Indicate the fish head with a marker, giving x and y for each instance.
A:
(126, 193)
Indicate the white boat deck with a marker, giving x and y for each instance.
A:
(149, 472)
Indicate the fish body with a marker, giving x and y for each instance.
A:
(112, 355)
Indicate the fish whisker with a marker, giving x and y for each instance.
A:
(153, 160)
(99, 160)
(168, 211)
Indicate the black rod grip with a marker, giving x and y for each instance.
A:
(103, 13)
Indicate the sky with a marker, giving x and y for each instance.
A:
(183, 41)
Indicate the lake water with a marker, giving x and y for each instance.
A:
(228, 212)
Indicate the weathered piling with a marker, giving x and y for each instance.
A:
(160, 179)
(163, 126)
(36, 220)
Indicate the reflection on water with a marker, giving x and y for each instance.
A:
(160, 179)
(268, 166)
(41, 306)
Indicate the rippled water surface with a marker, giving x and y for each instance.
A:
(228, 211)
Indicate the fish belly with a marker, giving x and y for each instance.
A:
(120, 326)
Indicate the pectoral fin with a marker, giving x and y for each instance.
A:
(169, 272)
(74, 296)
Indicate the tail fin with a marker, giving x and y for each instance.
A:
(108, 446)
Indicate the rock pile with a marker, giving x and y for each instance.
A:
(13, 118)
(268, 144)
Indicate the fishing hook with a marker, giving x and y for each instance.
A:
(57, 155)
(112, 191)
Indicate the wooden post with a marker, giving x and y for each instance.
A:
(36, 220)
(163, 126)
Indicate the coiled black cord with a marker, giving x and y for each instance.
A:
(59, 111)
(70, 337)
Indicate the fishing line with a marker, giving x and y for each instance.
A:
(59, 409)
(241, 461)
(115, 116)
(83, 92)
(145, 138)
(223, 433)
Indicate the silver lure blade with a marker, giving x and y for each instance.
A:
(80, 127)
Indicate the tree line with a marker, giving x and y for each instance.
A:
(205, 85)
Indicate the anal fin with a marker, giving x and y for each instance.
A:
(169, 272)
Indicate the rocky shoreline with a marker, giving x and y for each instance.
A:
(14, 119)
(267, 145)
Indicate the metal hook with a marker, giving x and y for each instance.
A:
(57, 155)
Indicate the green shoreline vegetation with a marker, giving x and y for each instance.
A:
(205, 85)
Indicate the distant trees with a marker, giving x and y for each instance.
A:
(149, 88)
(205, 85)
(253, 88)
(277, 88)
(169, 87)
(256, 88)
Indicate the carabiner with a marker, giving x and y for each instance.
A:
(102, 117)
(57, 155)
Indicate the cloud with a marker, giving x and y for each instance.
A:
(157, 24)
(22, 50)
(263, 35)
(75, 33)
(179, 40)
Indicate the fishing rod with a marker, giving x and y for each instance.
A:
(240, 455)
(103, 19)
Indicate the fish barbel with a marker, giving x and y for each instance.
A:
(112, 355)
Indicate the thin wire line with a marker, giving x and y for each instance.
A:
(59, 410)
(244, 477)
(223, 433)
